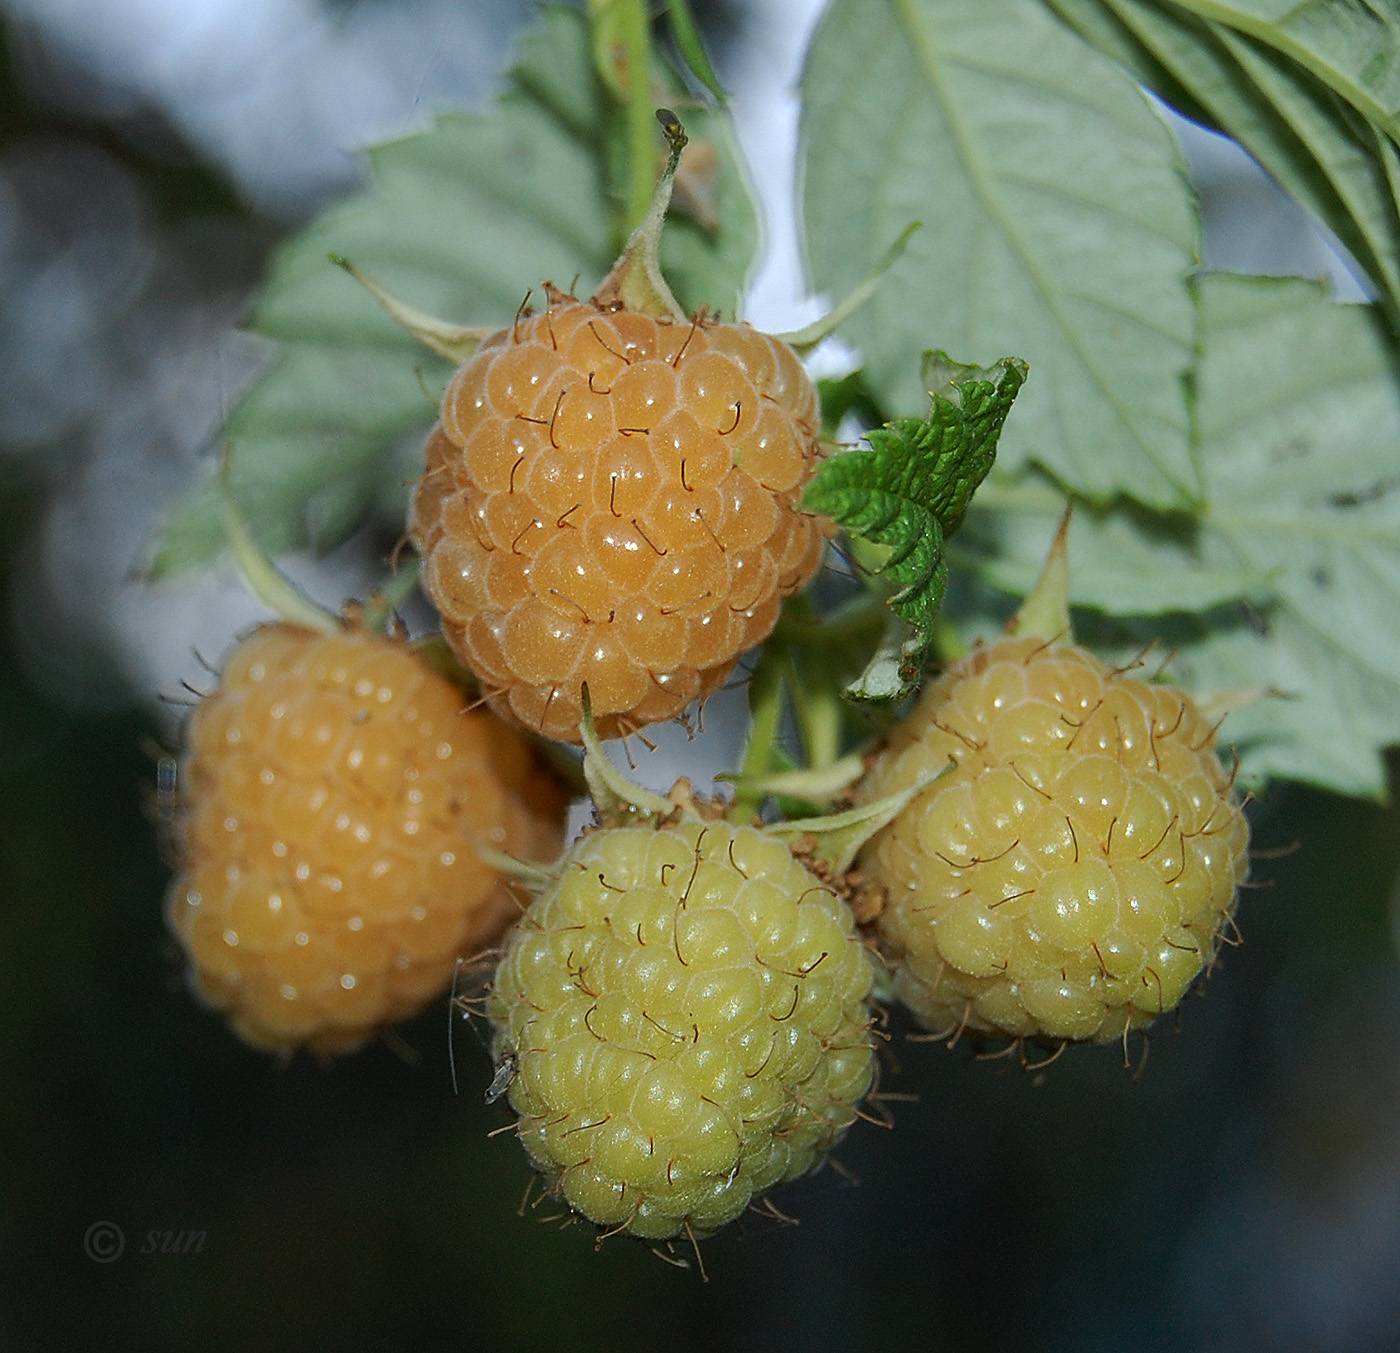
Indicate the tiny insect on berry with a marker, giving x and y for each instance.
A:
(1073, 873)
(683, 1015)
(334, 796)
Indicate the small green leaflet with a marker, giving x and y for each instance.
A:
(909, 493)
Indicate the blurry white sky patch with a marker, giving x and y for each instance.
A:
(120, 353)
(1252, 225)
(281, 93)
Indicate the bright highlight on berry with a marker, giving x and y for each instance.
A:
(685, 1010)
(1073, 874)
(333, 797)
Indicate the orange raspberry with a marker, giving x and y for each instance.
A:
(333, 794)
(611, 499)
(1071, 876)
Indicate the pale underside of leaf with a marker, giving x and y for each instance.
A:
(1300, 131)
(1056, 225)
(1123, 561)
(460, 220)
(1352, 46)
(1299, 418)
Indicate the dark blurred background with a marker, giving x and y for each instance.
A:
(1242, 1192)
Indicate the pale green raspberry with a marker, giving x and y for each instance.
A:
(1072, 876)
(686, 1013)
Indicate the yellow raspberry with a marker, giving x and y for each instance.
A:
(1072, 875)
(685, 1011)
(611, 499)
(333, 796)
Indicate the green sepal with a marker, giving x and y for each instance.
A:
(636, 281)
(839, 837)
(455, 342)
(801, 784)
(274, 589)
(617, 799)
(536, 877)
(1045, 611)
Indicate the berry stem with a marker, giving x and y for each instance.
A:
(620, 32)
(818, 708)
(636, 32)
(384, 601)
(809, 657)
(765, 724)
(636, 281)
(784, 675)
(854, 626)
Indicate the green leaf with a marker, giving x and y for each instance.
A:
(1352, 46)
(1299, 418)
(1124, 559)
(1302, 133)
(910, 492)
(691, 47)
(1057, 224)
(461, 220)
(844, 396)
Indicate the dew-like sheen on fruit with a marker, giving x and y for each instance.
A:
(333, 790)
(1073, 874)
(686, 1013)
(611, 499)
